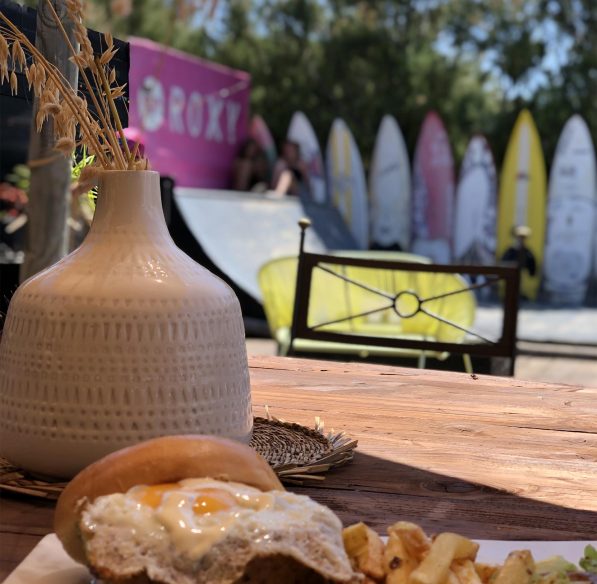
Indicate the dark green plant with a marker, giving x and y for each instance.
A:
(20, 177)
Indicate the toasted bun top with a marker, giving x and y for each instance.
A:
(161, 460)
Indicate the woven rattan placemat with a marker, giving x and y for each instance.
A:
(295, 452)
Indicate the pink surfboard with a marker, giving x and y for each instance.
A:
(261, 134)
(433, 192)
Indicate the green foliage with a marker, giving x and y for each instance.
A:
(163, 21)
(80, 161)
(357, 60)
(589, 562)
(476, 62)
(20, 177)
(516, 36)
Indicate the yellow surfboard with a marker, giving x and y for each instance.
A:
(346, 180)
(523, 197)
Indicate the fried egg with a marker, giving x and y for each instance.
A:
(191, 520)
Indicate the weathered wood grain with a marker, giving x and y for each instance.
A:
(488, 457)
(47, 235)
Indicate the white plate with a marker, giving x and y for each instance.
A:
(496, 551)
(49, 564)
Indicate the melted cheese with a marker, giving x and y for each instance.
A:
(152, 496)
(205, 500)
(187, 520)
(195, 513)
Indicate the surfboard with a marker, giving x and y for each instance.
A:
(522, 197)
(476, 201)
(301, 131)
(433, 192)
(217, 219)
(571, 215)
(261, 134)
(389, 188)
(346, 178)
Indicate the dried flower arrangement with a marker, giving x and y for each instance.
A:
(100, 132)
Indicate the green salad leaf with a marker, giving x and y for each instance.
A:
(556, 564)
(589, 562)
(553, 570)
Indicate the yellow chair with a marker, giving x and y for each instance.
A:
(339, 291)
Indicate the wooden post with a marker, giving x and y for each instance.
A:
(49, 193)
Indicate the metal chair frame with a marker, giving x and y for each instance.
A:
(504, 347)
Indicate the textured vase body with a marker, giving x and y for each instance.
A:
(124, 339)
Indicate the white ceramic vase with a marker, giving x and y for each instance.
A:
(124, 339)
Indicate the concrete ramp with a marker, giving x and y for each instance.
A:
(239, 232)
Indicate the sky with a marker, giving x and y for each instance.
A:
(556, 56)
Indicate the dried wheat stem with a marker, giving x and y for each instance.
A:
(65, 89)
(101, 110)
(133, 156)
(117, 150)
(69, 95)
(37, 162)
(115, 116)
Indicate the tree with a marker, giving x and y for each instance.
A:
(478, 62)
(544, 53)
(49, 190)
(356, 60)
(573, 88)
(175, 23)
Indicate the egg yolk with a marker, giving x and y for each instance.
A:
(152, 496)
(212, 501)
(204, 500)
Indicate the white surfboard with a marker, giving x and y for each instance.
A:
(346, 178)
(301, 131)
(476, 198)
(217, 219)
(571, 215)
(389, 188)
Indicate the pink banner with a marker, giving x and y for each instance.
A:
(192, 114)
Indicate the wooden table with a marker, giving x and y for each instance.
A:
(492, 458)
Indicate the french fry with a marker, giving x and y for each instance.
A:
(365, 549)
(465, 572)
(415, 540)
(445, 548)
(397, 562)
(486, 572)
(466, 549)
(517, 569)
(410, 557)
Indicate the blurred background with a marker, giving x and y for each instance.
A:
(477, 63)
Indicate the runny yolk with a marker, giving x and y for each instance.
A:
(204, 500)
(212, 501)
(152, 496)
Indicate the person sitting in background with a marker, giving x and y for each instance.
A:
(290, 176)
(519, 253)
(261, 172)
(250, 168)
